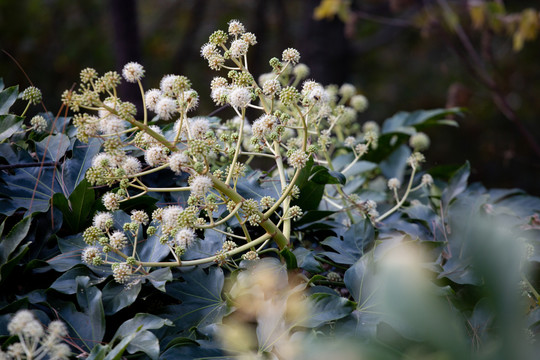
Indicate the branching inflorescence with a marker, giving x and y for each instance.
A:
(298, 119)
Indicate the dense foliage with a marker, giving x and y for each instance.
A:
(287, 237)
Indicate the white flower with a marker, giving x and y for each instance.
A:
(271, 87)
(394, 184)
(156, 155)
(291, 55)
(240, 97)
(90, 253)
(151, 98)
(200, 185)
(170, 217)
(131, 165)
(103, 220)
(33, 330)
(166, 108)
(359, 103)
(118, 240)
(57, 328)
(239, 48)
(298, 159)
(167, 84)
(208, 50)
(148, 139)
(184, 237)
(236, 27)
(121, 273)
(264, 125)
(361, 149)
(427, 180)
(102, 160)
(191, 99)
(177, 161)
(60, 352)
(347, 90)
(133, 72)
(111, 124)
(139, 217)
(19, 321)
(220, 94)
(111, 201)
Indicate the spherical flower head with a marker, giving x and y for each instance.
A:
(166, 108)
(427, 180)
(185, 237)
(250, 256)
(200, 185)
(148, 140)
(131, 165)
(419, 141)
(198, 127)
(111, 124)
(133, 72)
(347, 90)
(103, 220)
(208, 50)
(118, 240)
(361, 149)
(295, 212)
(238, 48)
(102, 160)
(415, 159)
(240, 97)
(301, 71)
(32, 94)
(177, 161)
(156, 155)
(39, 124)
(264, 125)
(291, 55)
(60, 351)
(151, 98)
(88, 75)
(298, 159)
(349, 141)
(359, 103)
(110, 80)
(220, 95)
(236, 28)
(167, 85)
(191, 99)
(289, 96)
(91, 255)
(394, 184)
(317, 94)
(33, 330)
(218, 81)
(371, 126)
(139, 217)
(250, 38)
(271, 87)
(170, 216)
(57, 329)
(19, 321)
(111, 201)
(229, 245)
(121, 272)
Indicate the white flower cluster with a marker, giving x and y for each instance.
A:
(34, 341)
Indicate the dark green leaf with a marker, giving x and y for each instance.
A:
(81, 160)
(9, 124)
(351, 248)
(306, 260)
(117, 296)
(324, 308)
(8, 98)
(12, 240)
(323, 176)
(77, 209)
(457, 184)
(200, 294)
(52, 148)
(290, 259)
(66, 283)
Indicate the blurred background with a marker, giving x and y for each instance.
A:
(401, 54)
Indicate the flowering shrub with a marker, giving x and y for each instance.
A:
(161, 221)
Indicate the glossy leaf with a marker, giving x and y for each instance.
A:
(351, 248)
(7, 98)
(9, 124)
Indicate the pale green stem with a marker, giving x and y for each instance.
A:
(238, 146)
(152, 189)
(145, 112)
(222, 221)
(398, 205)
(26, 108)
